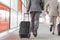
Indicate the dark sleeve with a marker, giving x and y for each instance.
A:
(42, 4)
(29, 5)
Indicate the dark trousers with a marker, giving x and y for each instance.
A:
(34, 20)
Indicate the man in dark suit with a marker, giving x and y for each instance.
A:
(34, 7)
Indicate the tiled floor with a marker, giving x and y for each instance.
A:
(11, 37)
(43, 34)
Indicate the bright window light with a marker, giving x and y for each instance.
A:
(58, 0)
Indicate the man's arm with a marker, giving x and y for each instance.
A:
(29, 5)
(58, 7)
(46, 7)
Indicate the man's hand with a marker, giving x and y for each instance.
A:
(27, 12)
(47, 12)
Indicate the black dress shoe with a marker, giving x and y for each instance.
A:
(52, 33)
(35, 33)
(51, 28)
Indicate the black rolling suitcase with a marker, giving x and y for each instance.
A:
(24, 31)
(58, 29)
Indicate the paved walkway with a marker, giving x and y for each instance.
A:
(43, 34)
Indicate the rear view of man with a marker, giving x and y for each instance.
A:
(53, 13)
(35, 8)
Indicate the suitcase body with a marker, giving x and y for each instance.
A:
(24, 31)
(58, 28)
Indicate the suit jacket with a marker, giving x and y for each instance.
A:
(53, 7)
(59, 8)
(34, 5)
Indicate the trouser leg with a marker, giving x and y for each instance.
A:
(58, 19)
(36, 21)
(32, 21)
(53, 21)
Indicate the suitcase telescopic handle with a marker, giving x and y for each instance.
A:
(24, 16)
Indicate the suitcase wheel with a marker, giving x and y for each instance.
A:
(24, 36)
(59, 33)
(28, 35)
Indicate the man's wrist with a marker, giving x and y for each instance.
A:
(27, 10)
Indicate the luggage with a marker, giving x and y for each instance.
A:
(24, 31)
(58, 28)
